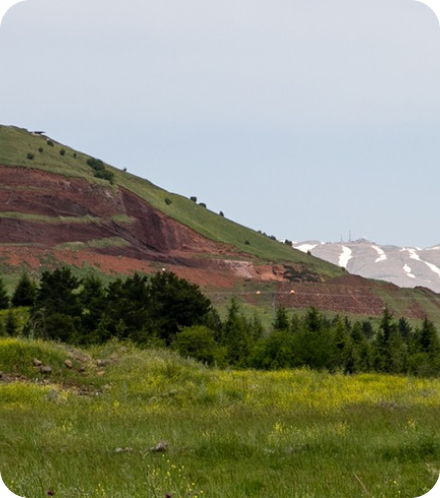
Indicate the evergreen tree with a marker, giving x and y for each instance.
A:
(381, 358)
(127, 308)
(56, 310)
(281, 321)
(274, 352)
(295, 324)
(236, 337)
(4, 298)
(25, 292)
(343, 357)
(361, 348)
(426, 339)
(56, 293)
(92, 299)
(404, 328)
(313, 344)
(424, 358)
(11, 326)
(173, 304)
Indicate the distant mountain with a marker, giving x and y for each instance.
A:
(404, 266)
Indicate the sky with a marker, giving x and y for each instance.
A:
(305, 119)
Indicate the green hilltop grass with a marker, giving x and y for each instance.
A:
(228, 433)
(16, 143)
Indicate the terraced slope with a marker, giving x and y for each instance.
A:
(50, 200)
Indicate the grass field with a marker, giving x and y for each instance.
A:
(228, 433)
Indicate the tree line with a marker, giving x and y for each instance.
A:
(165, 310)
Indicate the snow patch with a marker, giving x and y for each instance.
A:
(345, 256)
(381, 252)
(306, 247)
(415, 256)
(407, 270)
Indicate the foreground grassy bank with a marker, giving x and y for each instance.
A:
(96, 427)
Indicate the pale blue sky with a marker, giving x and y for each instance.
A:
(301, 118)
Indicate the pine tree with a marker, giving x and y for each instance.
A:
(281, 321)
(174, 303)
(4, 298)
(25, 292)
(11, 326)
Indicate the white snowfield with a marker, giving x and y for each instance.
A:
(381, 252)
(345, 256)
(432, 267)
(306, 247)
(407, 270)
(403, 266)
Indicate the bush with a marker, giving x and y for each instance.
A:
(105, 175)
(202, 204)
(62, 152)
(95, 164)
(168, 201)
(40, 149)
(49, 142)
(30, 156)
(193, 198)
(100, 172)
(198, 342)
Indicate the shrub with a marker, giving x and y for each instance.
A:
(74, 154)
(62, 152)
(105, 174)
(198, 342)
(193, 198)
(168, 201)
(95, 164)
(247, 242)
(30, 156)
(49, 142)
(100, 172)
(202, 204)
(40, 149)
(221, 214)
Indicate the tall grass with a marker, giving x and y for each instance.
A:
(229, 433)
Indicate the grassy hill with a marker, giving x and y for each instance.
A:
(16, 144)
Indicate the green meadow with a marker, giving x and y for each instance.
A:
(116, 421)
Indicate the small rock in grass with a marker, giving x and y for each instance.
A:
(45, 369)
(37, 362)
(161, 447)
(68, 364)
(52, 395)
(100, 373)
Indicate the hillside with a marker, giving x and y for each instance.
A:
(54, 209)
(54, 203)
